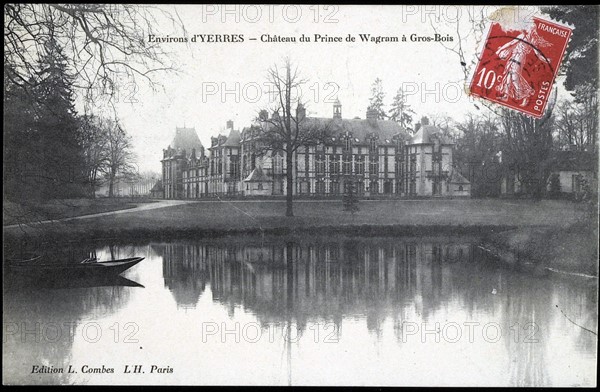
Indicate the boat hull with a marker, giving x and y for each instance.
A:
(72, 272)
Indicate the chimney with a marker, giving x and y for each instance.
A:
(229, 124)
(371, 114)
(337, 109)
(424, 120)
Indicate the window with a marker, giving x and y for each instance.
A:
(335, 188)
(334, 164)
(234, 168)
(320, 187)
(306, 161)
(374, 187)
(399, 186)
(373, 144)
(460, 188)
(387, 187)
(373, 166)
(359, 165)
(347, 165)
(347, 143)
(320, 164)
(360, 187)
(260, 186)
(398, 166)
(385, 163)
(413, 163)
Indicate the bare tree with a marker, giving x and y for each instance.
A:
(102, 41)
(118, 154)
(528, 143)
(94, 141)
(288, 128)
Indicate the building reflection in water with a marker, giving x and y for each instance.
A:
(325, 280)
(316, 280)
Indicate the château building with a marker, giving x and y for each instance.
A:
(378, 157)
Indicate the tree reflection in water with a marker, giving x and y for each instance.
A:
(371, 286)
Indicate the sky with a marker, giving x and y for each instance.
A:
(216, 82)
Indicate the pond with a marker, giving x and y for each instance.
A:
(302, 310)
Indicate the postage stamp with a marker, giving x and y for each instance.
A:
(517, 67)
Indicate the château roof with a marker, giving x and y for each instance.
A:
(360, 129)
(186, 139)
(233, 140)
(426, 132)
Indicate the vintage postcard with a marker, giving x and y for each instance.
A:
(325, 195)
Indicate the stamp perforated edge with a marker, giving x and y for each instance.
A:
(496, 107)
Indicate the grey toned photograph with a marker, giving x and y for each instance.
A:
(300, 195)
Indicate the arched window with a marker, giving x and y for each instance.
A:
(460, 188)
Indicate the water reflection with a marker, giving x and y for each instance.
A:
(381, 279)
(327, 280)
(371, 290)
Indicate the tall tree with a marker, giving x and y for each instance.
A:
(103, 42)
(288, 128)
(527, 145)
(476, 153)
(119, 155)
(581, 57)
(581, 62)
(401, 111)
(20, 133)
(42, 150)
(376, 99)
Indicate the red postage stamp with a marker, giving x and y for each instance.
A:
(517, 68)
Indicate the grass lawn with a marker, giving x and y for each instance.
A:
(555, 233)
(58, 209)
(240, 215)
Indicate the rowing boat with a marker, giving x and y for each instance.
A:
(87, 269)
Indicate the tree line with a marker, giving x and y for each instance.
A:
(51, 151)
(51, 53)
(511, 141)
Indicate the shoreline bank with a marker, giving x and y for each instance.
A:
(554, 234)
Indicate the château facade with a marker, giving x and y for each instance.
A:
(378, 157)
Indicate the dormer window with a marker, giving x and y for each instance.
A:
(373, 144)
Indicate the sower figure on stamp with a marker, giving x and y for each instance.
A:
(513, 84)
